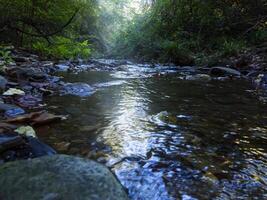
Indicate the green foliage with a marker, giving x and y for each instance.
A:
(171, 29)
(5, 56)
(232, 47)
(47, 25)
(64, 48)
(259, 36)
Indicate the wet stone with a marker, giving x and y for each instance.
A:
(39, 148)
(14, 112)
(3, 82)
(59, 177)
(11, 110)
(9, 141)
(28, 101)
(62, 67)
(77, 89)
(224, 71)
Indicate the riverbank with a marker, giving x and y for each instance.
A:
(26, 79)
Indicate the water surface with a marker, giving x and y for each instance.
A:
(167, 138)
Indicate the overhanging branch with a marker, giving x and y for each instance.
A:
(39, 32)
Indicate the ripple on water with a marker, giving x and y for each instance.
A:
(110, 84)
(167, 138)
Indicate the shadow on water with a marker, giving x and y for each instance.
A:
(167, 138)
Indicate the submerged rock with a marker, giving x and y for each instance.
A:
(58, 177)
(224, 71)
(109, 84)
(198, 77)
(77, 89)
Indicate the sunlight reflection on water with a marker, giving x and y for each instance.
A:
(167, 138)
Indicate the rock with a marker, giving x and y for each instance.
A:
(28, 101)
(39, 85)
(5, 107)
(21, 59)
(13, 91)
(14, 112)
(26, 130)
(188, 70)
(27, 73)
(47, 64)
(261, 81)
(29, 148)
(11, 110)
(62, 67)
(264, 80)
(3, 82)
(5, 127)
(58, 177)
(39, 149)
(224, 71)
(9, 141)
(198, 77)
(12, 84)
(77, 89)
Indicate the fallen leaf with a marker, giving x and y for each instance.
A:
(46, 118)
(62, 146)
(37, 118)
(24, 118)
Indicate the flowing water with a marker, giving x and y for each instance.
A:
(167, 138)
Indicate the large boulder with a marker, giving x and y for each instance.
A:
(58, 177)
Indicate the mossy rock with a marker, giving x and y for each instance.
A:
(58, 177)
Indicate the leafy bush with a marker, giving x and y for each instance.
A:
(232, 47)
(259, 35)
(64, 48)
(5, 56)
(191, 27)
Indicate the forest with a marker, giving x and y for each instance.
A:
(166, 30)
(133, 99)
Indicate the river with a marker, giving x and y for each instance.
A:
(165, 137)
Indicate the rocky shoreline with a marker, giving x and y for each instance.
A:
(26, 79)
